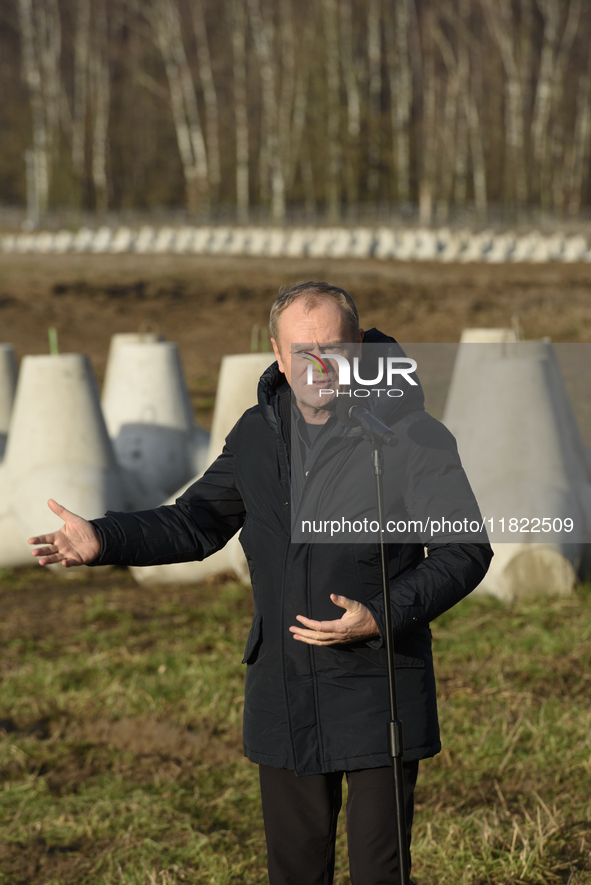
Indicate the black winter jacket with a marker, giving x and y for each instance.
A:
(307, 708)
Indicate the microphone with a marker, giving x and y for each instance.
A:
(358, 416)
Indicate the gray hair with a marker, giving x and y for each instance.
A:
(314, 293)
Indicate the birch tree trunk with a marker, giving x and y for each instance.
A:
(263, 42)
(41, 49)
(300, 103)
(448, 126)
(165, 21)
(461, 145)
(237, 21)
(374, 58)
(465, 65)
(288, 86)
(581, 149)
(333, 109)
(428, 123)
(100, 79)
(558, 152)
(500, 21)
(80, 98)
(543, 100)
(397, 23)
(350, 77)
(209, 96)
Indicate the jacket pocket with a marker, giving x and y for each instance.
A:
(255, 638)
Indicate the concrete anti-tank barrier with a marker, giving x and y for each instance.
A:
(523, 454)
(395, 243)
(61, 452)
(8, 376)
(236, 392)
(150, 419)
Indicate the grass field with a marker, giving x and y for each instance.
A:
(121, 754)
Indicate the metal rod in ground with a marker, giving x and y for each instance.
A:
(395, 738)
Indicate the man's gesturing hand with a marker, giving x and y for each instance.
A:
(357, 623)
(76, 543)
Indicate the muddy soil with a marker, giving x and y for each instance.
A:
(209, 305)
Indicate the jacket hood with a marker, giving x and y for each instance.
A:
(273, 388)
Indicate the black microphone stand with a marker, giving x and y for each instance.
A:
(394, 727)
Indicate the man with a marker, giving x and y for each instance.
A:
(316, 688)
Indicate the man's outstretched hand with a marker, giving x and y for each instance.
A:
(76, 543)
(357, 623)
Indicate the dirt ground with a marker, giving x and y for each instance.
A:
(209, 304)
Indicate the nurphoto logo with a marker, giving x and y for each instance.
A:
(387, 367)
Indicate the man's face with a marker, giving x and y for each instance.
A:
(320, 329)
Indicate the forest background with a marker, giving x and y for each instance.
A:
(283, 110)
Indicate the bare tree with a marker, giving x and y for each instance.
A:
(374, 78)
(209, 96)
(460, 66)
(80, 98)
(101, 93)
(41, 50)
(262, 30)
(351, 80)
(397, 26)
(428, 121)
(553, 62)
(581, 148)
(333, 108)
(236, 14)
(499, 16)
(166, 25)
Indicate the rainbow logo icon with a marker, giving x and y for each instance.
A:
(316, 361)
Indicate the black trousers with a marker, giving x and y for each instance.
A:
(300, 815)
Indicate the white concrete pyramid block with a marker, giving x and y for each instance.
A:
(164, 240)
(220, 241)
(239, 240)
(83, 240)
(237, 392)
(145, 239)
(575, 248)
(200, 241)
(8, 376)
(298, 241)
(340, 246)
(456, 242)
(385, 243)
(63, 241)
(149, 416)
(319, 245)
(406, 245)
(44, 242)
(58, 447)
(426, 245)
(122, 240)
(485, 336)
(257, 241)
(117, 341)
(477, 247)
(103, 239)
(276, 243)
(183, 239)
(523, 454)
(362, 242)
(501, 248)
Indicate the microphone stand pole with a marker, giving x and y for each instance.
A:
(394, 727)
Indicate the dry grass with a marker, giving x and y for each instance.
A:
(122, 762)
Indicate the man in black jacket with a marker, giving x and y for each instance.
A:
(316, 699)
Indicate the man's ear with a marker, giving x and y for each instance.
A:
(277, 353)
(360, 335)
